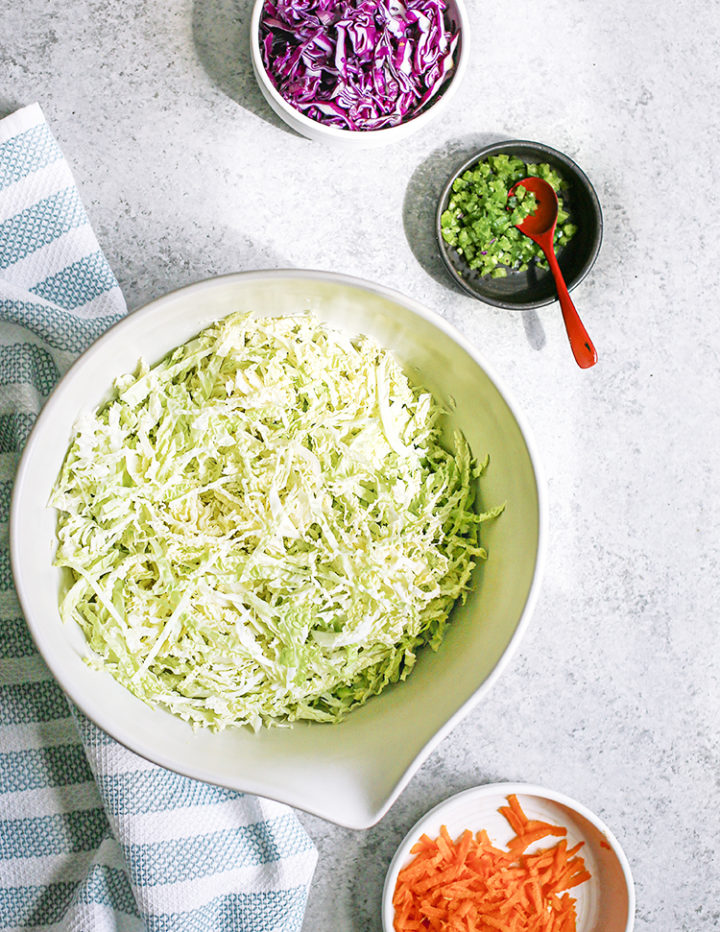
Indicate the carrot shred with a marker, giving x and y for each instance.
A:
(516, 823)
(514, 804)
(470, 885)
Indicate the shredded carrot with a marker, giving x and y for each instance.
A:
(470, 885)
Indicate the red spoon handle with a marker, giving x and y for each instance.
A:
(580, 343)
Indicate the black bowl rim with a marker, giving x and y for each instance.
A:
(509, 145)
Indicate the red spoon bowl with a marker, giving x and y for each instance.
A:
(533, 287)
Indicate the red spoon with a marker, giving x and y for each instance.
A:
(540, 227)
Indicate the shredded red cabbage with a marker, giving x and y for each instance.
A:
(358, 64)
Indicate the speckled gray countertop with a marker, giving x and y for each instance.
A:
(614, 694)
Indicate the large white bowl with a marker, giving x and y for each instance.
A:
(355, 139)
(349, 773)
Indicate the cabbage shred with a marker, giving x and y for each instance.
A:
(359, 64)
(265, 527)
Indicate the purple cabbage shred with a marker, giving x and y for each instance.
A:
(358, 64)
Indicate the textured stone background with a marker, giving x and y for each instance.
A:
(614, 695)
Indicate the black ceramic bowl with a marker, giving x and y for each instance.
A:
(533, 287)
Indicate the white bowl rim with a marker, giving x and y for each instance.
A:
(317, 129)
(196, 771)
(503, 790)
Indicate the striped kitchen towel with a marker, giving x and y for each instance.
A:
(92, 837)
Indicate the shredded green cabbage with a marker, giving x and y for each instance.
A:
(264, 527)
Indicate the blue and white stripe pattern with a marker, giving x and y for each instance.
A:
(92, 837)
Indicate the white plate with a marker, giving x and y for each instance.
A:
(605, 903)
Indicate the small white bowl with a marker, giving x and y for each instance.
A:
(343, 772)
(359, 139)
(605, 902)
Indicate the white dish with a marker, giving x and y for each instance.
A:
(605, 903)
(353, 139)
(343, 772)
